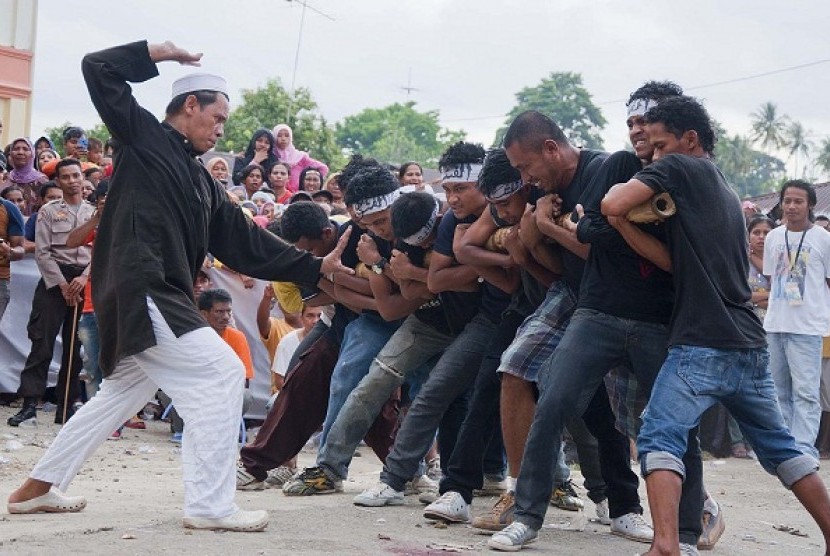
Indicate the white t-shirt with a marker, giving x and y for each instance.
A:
(285, 351)
(806, 279)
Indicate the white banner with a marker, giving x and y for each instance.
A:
(15, 344)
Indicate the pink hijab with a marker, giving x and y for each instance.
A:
(291, 155)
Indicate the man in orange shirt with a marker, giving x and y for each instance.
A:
(217, 307)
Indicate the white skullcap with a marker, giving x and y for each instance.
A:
(199, 82)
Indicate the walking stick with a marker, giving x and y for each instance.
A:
(69, 365)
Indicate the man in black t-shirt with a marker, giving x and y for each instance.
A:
(301, 407)
(717, 347)
(509, 200)
(539, 150)
(399, 290)
(458, 365)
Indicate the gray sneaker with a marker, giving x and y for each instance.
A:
(246, 481)
(278, 477)
(512, 538)
(491, 486)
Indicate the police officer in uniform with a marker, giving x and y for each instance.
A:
(58, 295)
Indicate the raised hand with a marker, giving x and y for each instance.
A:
(167, 51)
(331, 262)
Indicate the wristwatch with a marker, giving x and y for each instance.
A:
(378, 267)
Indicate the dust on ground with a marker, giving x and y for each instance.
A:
(134, 492)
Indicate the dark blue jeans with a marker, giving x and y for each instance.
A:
(466, 466)
(594, 343)
(452, 376)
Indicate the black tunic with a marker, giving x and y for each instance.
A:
(164, 213)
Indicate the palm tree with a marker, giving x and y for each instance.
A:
(797, 142)
(735, 159)
(769, 127)
(823, 158)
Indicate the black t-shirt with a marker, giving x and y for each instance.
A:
(589, 163)
(617, 280)
(531, 292)
(707, 241)
(434, 312)
(384, 250)
(493, 301)
(342, 314)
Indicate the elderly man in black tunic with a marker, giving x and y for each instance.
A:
(164, 213)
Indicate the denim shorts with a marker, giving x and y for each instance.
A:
(692, 380)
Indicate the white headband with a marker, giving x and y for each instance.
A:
(421, 235)
(462, 173)
(375, 204)
(639, 107)
(504, 190)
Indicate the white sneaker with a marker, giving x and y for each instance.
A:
(421, 484)
(450, 507)
(428, 497)
(241, 521)
(246, 481)
(379, 495)
(512, 538)
(688, 550)
(633, 527)
(603, 516)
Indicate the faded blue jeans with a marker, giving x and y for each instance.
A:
(362, 340)
(691, 381)
(412, 346)
(795, 365)
(594, 342)
(452, 376)
(88, 335)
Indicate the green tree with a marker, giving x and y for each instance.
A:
(750, 172)
(268, 106)
(100, 131)
(769, 127)
(823, 157)
(563, 98)
(797, 142)
(396, 133)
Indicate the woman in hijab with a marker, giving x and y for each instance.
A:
(23, 173)
(218, 168)
(44, 143)
(296, 159)
(260, 151)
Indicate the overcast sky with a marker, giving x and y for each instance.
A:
(467, 57)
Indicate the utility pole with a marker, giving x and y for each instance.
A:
(297, 53)
(396, 154)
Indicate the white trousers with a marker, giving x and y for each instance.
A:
(204, 378)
